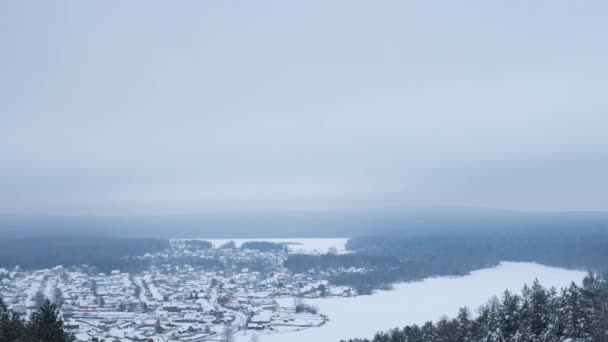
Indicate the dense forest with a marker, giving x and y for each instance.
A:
(570, 248)
(366, 272)
(197, 244)
(313, 224)
(443, 241)
(264, 246)
(44, 325)
(386, 259)
(102, 252)
(576, 313)
(466, 241)
(105, 254)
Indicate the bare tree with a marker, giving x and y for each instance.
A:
(228, 333)
(58, 298)
(39, 298)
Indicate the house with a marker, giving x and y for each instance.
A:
(262, 317)
(223, 300)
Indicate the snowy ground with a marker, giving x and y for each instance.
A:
(298, 245)
(418, 302)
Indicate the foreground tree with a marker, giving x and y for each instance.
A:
(579, 314)
(228, 333)
(464, 329)
(11, 326)
(46, 325)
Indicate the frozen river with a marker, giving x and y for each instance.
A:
(418, 302)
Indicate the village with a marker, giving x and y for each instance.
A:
(184, 293)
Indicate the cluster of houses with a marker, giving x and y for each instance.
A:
(182, 295)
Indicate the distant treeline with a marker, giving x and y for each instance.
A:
(380, 271)
(577, 313)
(283, 224)
(580, 249)
(105, 254)
(263, 246)
(197, 244)
(300, 263)
(405, 257)
(102, 252)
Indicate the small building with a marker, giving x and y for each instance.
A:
(262, 317)
(223, 300)
(19, 309)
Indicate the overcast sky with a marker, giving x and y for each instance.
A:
(146, 107)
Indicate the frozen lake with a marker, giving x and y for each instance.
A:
(420, 301)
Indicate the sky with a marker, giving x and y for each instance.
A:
(165, 108)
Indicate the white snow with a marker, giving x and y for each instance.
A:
(418, 302)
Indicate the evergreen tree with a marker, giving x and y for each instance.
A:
(555, 329)
(447, 330)
(509, 315)
(595, 305)
(579, 314)
(11, 326)
(429, 332)
(46, 325)
(491, 325)
(524, 333)
(413, 333)
(464, 326)
(538, 310)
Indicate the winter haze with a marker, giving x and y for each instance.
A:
(328, 171)
(164, 108)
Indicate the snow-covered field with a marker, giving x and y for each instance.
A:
(420, 301)
(299, 245)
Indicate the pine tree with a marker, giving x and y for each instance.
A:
(429, 332)
(464, 332)
(491, 326)
(592, 292)
(11, 326)
(538, 310)
(509, 315)
(46, 325)
(413, 333)
(577, 318)
(524, 333)
(447, 330)
(555, 328)
(579, 314)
